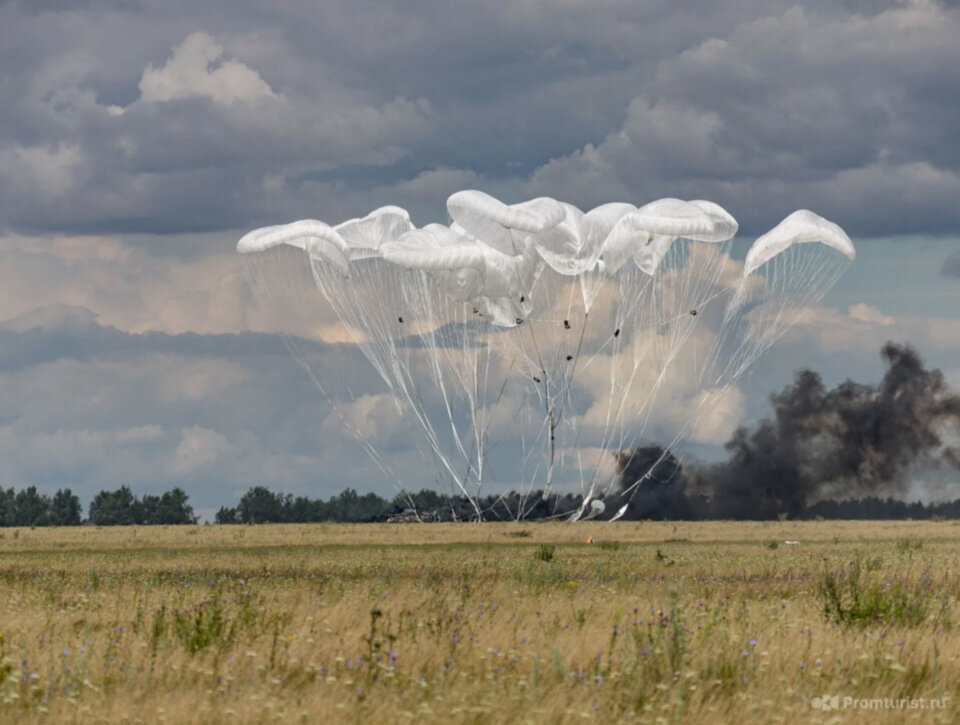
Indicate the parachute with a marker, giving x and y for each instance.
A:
(801, 227)
(786, 271)
(500, 226)
(524, 346)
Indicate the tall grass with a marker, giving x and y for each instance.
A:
(852, 597)
(473, 624)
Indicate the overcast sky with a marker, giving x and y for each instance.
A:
(139, 140)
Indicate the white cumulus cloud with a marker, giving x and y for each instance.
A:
(197, 68)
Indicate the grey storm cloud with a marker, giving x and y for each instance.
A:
(852, 116)
(63, 332)
(131, 127)
(951, 266)
(90, 407)
(153, 119)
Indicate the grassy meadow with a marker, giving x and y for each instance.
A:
(653, 622)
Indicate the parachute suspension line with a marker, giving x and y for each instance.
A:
(435, 311)
(550, 411)
(767, 302)
(387, 356)
(255, 270)
(763, 307)
(685, 290)
(424, 302)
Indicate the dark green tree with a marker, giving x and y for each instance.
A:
(113, 508)
(8, 507)
(31, 508)
(226, 515)
(170, 508)
(173, 508)
(306, 510)
(351, 507)
(65, 509)
(260, 505)
(146, 509)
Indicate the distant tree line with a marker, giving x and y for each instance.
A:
(259, 504)
(873, 507)
(27, 507)
(121, 507)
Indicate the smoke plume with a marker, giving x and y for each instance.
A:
(850, 441)
(652, 483)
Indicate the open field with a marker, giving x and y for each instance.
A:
(658, 622)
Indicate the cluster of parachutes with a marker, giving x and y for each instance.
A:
(529, 343)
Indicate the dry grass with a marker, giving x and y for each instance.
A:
(712, 622)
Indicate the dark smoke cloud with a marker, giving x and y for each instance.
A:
(851, 441)
(951, 266)
(653, 484)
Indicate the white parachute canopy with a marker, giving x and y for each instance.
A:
(317, 239)
(647, 233)
(499, 226)
(365, 235)
(535, 329)
(801, 227)
(787, 270)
